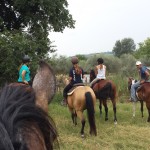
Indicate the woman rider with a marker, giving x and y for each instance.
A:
(24, 71)
(76, 75)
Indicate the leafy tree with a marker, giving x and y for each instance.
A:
(144, 49)
(32, 14)
(14, 45)
(24, 28)
(125, 46)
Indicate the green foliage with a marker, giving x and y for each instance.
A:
(81, 57)
(125, 46)
(13, 47)
(144, 49)
(61, 64)
(33, 14)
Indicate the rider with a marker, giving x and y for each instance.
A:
(24, 71)
(76, 76)
(100, 71)
(144, 76)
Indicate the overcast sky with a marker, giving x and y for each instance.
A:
(100, 23)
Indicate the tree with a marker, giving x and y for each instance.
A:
(125, 46)
(44, 14)
(24, 28)
(144, 49)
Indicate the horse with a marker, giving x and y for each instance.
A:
(80, 99)
(103, 90)
(143, 95)
(92, 75)
(24, 124)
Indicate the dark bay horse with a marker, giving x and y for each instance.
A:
(25, 125)
(143, 95)
(81, 98)
(103, 90)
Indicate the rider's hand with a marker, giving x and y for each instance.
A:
(142, 81)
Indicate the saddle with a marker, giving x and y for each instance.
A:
(99, 80)
(70, 92)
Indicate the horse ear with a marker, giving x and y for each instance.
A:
(44, 83)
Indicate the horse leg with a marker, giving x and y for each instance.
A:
(73, 116)
(134, 107)
(100, 107)
(114, 109)
(106, 109)
(80, 115)
(148, 108)
(142, 108)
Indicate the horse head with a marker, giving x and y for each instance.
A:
(23, 125)
(131, 81)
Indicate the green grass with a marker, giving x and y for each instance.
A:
(129, 134)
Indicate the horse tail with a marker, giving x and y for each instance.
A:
(90, 113)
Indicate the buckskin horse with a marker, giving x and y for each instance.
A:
(103, 90)
(81, 98)
(24, 124)
(143, 95)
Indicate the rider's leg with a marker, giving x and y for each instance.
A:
(133, 91)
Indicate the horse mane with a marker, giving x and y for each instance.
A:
(18, 115)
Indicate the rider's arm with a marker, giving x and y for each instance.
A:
(96, 71)
(147, 74)
(23, 77)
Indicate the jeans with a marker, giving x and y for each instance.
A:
(133, 91)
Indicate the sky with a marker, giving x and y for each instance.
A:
(100, 23)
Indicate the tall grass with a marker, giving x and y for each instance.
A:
(129, 134)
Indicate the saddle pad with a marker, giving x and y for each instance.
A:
(72, 90)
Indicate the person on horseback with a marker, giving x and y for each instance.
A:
(76, 76)
(144, 76)
(100, 71)
(24, 71)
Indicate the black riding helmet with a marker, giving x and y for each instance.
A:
(26, 59)
(74, 60)
(100, 61)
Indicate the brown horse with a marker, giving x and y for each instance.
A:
(143, 95)
(23, 124)
(81, 98)
(103, 90)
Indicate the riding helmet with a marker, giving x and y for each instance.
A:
(74, 60)
(26, 59)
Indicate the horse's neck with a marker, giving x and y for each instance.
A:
(42, 101)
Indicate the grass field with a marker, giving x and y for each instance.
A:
(129, 134)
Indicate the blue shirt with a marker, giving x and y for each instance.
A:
(143, 69)
(76, 78)
(27, 74)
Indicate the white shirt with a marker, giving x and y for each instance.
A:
(101, 72)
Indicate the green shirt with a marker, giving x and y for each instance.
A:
(27, 75)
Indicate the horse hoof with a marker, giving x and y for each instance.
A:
(82, 135)
(115, 122)
(106, 119)
(133, 115)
